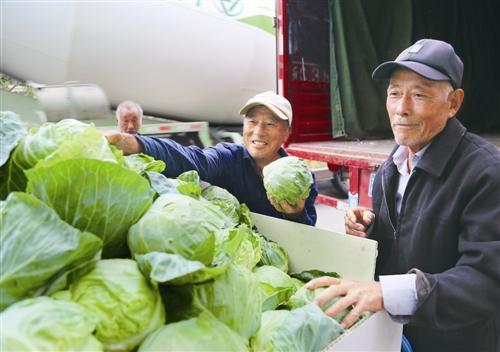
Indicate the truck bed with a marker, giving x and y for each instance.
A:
(361, 158)
(362, 154)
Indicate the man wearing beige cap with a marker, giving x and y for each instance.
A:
(235, 167)
(436, 214)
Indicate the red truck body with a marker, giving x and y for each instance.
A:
(307, 86)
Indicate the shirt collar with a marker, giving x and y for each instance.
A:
(401, 155)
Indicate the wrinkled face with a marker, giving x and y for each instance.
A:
(129, 120)
(419, 108)
(263, 134)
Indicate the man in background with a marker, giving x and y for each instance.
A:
(129, 117)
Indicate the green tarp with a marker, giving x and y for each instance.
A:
(364, 33)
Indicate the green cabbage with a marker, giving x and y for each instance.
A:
(11, 132)
(50, 144)
(142, 163)
(45, 324)
(273, 254)
(203, 333)
(240, 246)
(277, 286)
(96, 196)
(127, 305)
(304, 329)
(189, 184)
(175, 269)
(227, 203)
(305, 296)
(177, 224)
(270, 323)
(287, 178)
(233, 298)
(66, 139)
(11, 175)
(39, 251)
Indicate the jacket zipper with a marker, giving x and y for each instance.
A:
(387, 206)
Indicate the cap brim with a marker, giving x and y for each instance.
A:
(273, 108)
(385, 70)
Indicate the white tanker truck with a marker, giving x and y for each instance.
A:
(180, 59)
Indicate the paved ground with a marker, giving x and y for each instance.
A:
(330, 218)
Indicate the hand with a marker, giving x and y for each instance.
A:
(363, 296)
(124, 141)
(357, 221)
(291, 211)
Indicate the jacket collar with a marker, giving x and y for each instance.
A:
(442, 148)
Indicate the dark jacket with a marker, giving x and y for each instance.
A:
(226, 165)
(449, 228)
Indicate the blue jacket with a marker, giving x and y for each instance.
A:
(449, 229)
(226, 165)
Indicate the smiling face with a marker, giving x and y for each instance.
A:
(263, 135)
(130, 120)
(419, 108)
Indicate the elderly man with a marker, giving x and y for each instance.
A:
(436, 214)
(237, 168)
(129, 117)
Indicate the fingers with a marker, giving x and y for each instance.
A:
(321, 282)
(287, 208)
(352, 317)
(345, 302)
(292, 209)
(368, 217)
(273, 202)
(353, 214)
(357, 221)
(353, 228)
(329, 294)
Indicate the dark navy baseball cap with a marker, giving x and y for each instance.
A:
(433, 59)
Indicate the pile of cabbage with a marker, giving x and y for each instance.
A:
(103, 252)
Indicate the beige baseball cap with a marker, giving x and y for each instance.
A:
(278, 104)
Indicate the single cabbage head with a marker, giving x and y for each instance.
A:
(305, 329)
(226, 202)
(177, 224)
(287, 178)
(203, 333)
(127, 305)
(46, 324)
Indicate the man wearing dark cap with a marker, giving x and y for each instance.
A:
(436, 214)
(235, 167)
